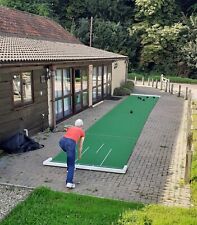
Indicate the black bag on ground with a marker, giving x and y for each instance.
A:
(19, 143)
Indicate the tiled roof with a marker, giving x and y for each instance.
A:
(25, 37)
(15, 49)
(23, 24)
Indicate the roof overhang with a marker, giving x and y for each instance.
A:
(68, 62)
(15, 51)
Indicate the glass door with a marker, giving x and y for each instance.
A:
(101, 83)
(63, 94)
(97, 84)
(80, 89)
(105, 81)
(85, 87)
(77, 91)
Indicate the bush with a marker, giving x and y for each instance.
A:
(121, 91)
(125, 89)
(128, 84)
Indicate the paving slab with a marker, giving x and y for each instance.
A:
(150, 167)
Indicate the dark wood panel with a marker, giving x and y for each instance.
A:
(14, 125)
(5, 110)
(9, 128)
(4, 78)
(29, 117)
(5, 106)
(4, 87)
(5, 101)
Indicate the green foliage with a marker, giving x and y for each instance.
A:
(128, 84)
(109, 10)
(162, 36)
(189, 50)
(82, 30)
(125, 88)
(107, 35)
(46, 207)
(160, 47)
(159, 215)
(156, 35)
(121, 91)
(48, 8)
(164, 12)
(188, 6)
(192, 9)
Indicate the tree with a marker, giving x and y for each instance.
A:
(155, 34)
(188, 6)
(163, 12)
(107, 35)
(190, 48)
(160, 36)
(39, 7)
(109, 10)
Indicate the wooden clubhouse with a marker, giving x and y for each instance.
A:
(48, 75)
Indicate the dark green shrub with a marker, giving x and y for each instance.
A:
(128, 84)
(121, 91)
(125, 89)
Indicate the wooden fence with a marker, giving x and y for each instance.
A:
(165, 85)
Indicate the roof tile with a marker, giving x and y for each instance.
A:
(25, 37)
(15, 49)
(23, 24)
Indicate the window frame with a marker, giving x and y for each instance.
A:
(64, 95)
(22, 103)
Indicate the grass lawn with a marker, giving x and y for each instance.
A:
(47, 207)
(159, 215)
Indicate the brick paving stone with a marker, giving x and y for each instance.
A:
(152, 168)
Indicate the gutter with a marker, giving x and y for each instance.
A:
(49, 62)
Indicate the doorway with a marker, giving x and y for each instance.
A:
(80, 89)
(71, 91)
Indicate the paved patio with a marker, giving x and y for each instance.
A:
(155, 169)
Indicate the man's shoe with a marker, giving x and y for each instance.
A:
(70, 185)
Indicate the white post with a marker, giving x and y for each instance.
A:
(142, 80)
(91, 23)
(90, 84)
(148, 81)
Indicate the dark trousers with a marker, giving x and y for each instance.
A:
(69, 147)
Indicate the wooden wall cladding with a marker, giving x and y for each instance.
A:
(15, 119)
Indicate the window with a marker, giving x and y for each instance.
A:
(58, 84)
(81, 88)
(63, 93)
(97, 83)
(22, 88)
(66, 82)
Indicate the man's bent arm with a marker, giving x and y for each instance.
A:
(80, 147)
